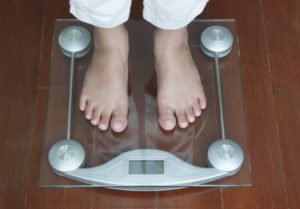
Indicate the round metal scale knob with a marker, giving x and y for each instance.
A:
(225, 155)
(75, 39)
(66, 155)
(216, 40)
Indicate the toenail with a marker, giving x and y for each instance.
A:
(191, 119)
(198, 114)
(94, 122)
(118, 125)
(102, 126)
(168, 124)
(184, 124)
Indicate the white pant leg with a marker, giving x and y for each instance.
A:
(101, 13)
(172, 14)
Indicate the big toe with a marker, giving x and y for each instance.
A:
(166, 119)
(119, 120)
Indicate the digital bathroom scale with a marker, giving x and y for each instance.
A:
(210, 152)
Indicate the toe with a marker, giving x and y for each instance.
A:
(104, 121)
(119, 120)
(181, 119)
(190, 116)
(96, 117)
(89, 111)
(82, 102)
(196, 109)
(202, 100)
(166, 119)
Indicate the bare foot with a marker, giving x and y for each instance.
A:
(180, 95)
(104, 93)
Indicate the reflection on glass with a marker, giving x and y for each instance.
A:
(143, 131)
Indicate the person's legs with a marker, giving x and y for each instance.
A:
(104, 93)
(180, 94)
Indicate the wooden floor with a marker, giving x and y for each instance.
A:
(269, 33)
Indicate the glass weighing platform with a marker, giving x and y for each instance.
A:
(211, 152)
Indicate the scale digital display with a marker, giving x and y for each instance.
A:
(146, 167)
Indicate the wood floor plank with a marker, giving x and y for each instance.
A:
(20, 36)
(283, 46)
(269, 189)
(282, 25)
(287, 103)
(192, 198)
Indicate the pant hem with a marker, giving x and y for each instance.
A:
(92, 19)
(148, 16)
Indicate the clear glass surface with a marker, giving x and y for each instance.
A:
(143, 131)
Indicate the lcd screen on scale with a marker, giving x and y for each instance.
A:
(146, 167)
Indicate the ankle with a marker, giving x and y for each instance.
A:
(111, 38)
(168, 40)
